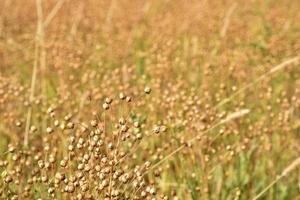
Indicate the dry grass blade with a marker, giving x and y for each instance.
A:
(230, 117)
(291, 167)
(227, 20)
(39, 34)
(110, 13)
(284, 173)
(235, 115)
(77, 18)
(249, 85)
(53, 12)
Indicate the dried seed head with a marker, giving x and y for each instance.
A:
(152, 191)
(56, 123)
(70, 125)
(136, 124)
(49, 130)
(108, 100)
(8, 179)
(18, 123)
(105, 106)
(122, 96)
(156, 129)
(50, 110)
(122, 121)
(41, 164)
(147, 90)
(128, 99)
(11, 148)
(51, 190)
(63, 163)
(33, 129)
(94, 123)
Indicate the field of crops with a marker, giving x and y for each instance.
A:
(149, 99)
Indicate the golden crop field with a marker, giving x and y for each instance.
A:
(149, 99)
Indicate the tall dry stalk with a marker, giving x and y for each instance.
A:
(284, 173)
(227, 20)
(53, 12)
(39, 56)
(231, 116)
(260, 78)
(39, 41)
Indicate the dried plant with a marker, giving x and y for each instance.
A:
(149, 99)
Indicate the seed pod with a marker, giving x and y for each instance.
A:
(51, 190)
(108, 100)
(49, 130)
(8, 179)
(105, 106)
(122, 96)
(94, 123)
(147, 90)
(156, 129)
(63, 163)
(128, 99)
(70, 125)
(44, 179)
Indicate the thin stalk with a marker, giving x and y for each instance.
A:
(35, 68)
(260, 78)
(284, 173)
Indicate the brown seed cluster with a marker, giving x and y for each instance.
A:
(81, 160)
